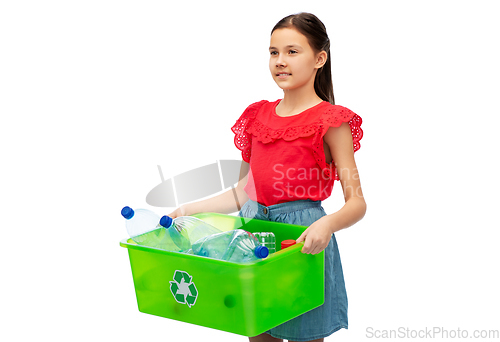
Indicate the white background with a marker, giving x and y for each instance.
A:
(95, 94)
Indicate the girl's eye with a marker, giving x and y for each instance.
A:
(292, 52)
(274, 53)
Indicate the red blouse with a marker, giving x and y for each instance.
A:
(286, 155)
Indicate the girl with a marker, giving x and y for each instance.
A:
(293, 149)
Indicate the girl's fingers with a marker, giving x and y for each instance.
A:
(307, 246)
(302, 237)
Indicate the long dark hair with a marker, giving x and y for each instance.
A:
(315, 32)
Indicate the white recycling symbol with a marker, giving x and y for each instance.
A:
(183, 289)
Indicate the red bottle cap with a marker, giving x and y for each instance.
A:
(287, 243)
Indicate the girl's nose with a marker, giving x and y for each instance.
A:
(280, 62)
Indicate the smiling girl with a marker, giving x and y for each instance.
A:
(293, 150)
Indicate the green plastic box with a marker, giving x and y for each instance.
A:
(245, 299)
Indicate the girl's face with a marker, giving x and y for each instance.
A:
(293, 63)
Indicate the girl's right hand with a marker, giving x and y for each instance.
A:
(181, 211)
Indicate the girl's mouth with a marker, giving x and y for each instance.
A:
(283, 75)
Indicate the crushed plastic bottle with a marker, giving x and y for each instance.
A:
(267, 239)
(139, 224)
(235, 245)
(185, 230)
(144, 229)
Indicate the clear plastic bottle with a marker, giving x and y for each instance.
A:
(235, 245)
(144, 229)
(139, 223)
(185, 230)
(267, 239)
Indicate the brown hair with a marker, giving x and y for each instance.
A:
(315, 32)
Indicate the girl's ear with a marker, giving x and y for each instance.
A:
(321, 59)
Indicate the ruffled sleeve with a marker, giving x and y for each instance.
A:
(334, 117)
(243, 139)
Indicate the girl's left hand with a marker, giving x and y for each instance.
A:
(316, 237)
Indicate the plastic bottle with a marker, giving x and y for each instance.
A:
(234, 245)
(139, 223)
(144, 228)
(267, 239)
(185, 230)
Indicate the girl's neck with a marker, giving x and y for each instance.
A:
(296, 101)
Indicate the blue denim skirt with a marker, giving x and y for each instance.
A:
(332, 315)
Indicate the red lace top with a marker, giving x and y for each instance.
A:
(286, 155)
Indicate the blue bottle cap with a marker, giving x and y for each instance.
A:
(166, 221)
(127, 212)
(261, 252)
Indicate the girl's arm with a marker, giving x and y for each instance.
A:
(317, 236)
(224, 203)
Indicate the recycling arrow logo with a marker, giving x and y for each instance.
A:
(183, 289)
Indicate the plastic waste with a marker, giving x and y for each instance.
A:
(267, 239)
(139, 223)
(144, 229)
(235, 245)
(185, 230)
